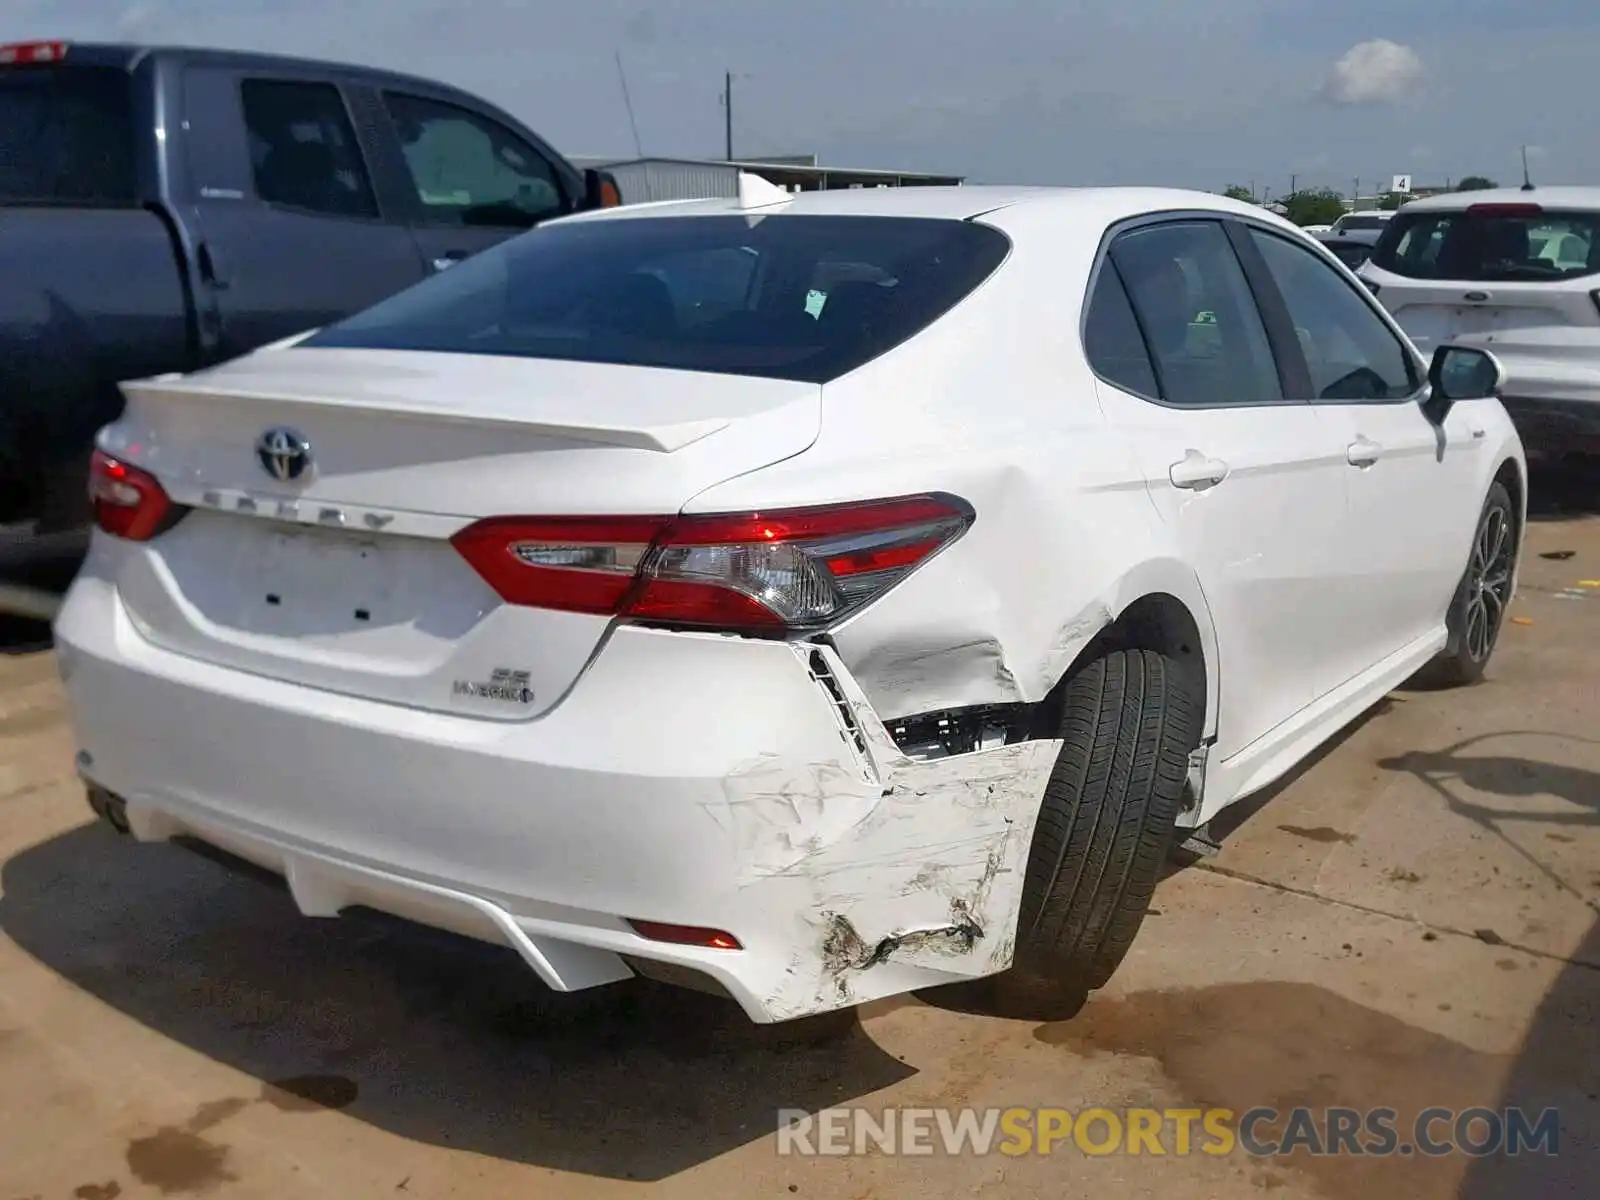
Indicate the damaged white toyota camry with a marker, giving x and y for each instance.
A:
(812, 597)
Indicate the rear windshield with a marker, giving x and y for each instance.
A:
(787, 297)
(1472, 246)
(1351, 254)
(1346, 224)
(66, 136)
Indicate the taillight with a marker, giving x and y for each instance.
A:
(128, 502)
(31, 53)
(758, 573)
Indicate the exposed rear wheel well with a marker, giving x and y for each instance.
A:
(1159, 622)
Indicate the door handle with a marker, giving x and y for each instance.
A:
(449, 259)
(1363, 452)
(1196, 472)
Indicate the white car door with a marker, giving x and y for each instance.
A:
(1409, 481)
(1249, 485)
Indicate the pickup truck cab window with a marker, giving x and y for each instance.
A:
(470, 170)
(303, 149)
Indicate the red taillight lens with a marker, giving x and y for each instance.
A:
(686, 935)
(757, 573)
(29, 53)
(128, 502)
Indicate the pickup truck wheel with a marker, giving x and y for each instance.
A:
(1130, 720)
(1478, 609)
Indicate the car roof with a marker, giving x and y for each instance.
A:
(125, 56)
(1544, 197)
(959, 203)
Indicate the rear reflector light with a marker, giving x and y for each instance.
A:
(685, 935)
(128, 502)
(757, 573)
(1504, 210)
(26, 53)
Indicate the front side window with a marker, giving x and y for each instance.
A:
(303, 150)
(1351, 353)
(1492, 243)
(1197, 314)
(469, 170)
(722, 294)
(66, 136)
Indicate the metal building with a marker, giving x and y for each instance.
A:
(642, 180)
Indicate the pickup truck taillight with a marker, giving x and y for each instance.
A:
(763, 574)
(128, 502)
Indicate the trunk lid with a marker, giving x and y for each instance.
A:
(343, 577)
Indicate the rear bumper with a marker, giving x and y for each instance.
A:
(696, 780)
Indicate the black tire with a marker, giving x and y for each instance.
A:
(1484, 593)
(1129, 721)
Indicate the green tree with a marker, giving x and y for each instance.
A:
(1392, 201)
(1318, 206)
(1476, 183)
(1235, 192)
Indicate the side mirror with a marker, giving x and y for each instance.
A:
(600, 190)
(1461, 373)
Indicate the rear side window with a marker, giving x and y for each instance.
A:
(1111, 339)
(1197, 314)
(1496, 244)
(303, 150)
(788, 297)
(66, 136)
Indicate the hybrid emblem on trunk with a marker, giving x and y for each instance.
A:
(283, 453)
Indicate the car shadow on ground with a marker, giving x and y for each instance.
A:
(1560, 489)
(1556, 1067)
(443, 1041)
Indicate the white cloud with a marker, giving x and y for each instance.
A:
(137, 21)
(1375, 72)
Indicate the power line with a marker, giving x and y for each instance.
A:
(627, 100)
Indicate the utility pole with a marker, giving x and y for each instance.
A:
(1355, 191)
(1293, 179)
(727, 114)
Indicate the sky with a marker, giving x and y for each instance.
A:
(1176, 92)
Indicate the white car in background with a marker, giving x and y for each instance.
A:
(614, 597)
(1373, 221)
(1512, 271)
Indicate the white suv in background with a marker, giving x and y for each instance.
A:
(1516, 272)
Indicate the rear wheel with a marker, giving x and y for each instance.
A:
(1130, 720)
(1478, 610)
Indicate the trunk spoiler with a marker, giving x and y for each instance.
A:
(661, 437)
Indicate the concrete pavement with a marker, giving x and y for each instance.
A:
(1409, 921)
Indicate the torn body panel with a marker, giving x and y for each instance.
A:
(906, 876)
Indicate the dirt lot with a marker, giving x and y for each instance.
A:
(1409, 921)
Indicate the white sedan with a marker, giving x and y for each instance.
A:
(812, 597)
